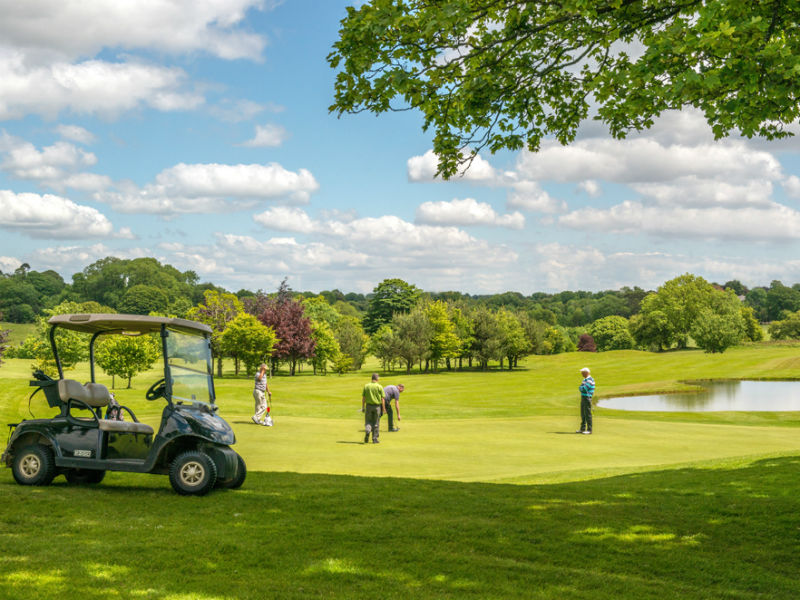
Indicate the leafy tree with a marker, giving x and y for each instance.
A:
(787, 329)
(444, 342)
(383, 346)
(653, 329)
(19, 299)
(352, 340)
(680, 300)
(326, 347)
(127, 356)
(318, 309)
(220, 308)
(413, 334)
(586, 343)
(3, 340)
(389, 297)
(719, 325)
(247, 340)
(286, 317)
(757, 299)
(504, 74)
(513, 342)
(72, 347)
(143, 299)
(488, 343)
(465, 329)
(752, 328)
(781, 300)
(611, 333)
(557, 341)
(737, 286)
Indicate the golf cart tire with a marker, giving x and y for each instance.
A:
(34, 465)
(84, 476)
(193, 473)
(241, 473)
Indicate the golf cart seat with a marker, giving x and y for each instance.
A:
(94, 394)
(125, 426)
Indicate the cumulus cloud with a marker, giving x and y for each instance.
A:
(528, 195)
(590, 187)
(770, 223)
(58, 166)
(466, 212)
(791, 186)
(93, 87)
(423, 168)
(8, 264)
(267, 136)
(645, 160)
(76, 134)
(50, 217)
(208, 188)
(50, 27)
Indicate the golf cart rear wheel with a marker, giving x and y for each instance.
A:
(34, 465)
(193, 473)
(82, 476)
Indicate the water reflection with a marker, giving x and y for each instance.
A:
(771, 396)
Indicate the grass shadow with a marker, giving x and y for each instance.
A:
(686, 533)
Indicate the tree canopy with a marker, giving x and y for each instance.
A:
(503, 74)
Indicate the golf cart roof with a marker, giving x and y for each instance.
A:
(116, 323)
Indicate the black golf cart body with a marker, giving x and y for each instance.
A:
(192, 444)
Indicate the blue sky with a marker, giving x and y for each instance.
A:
(198, 133)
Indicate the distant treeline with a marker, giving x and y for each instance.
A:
(144, 285)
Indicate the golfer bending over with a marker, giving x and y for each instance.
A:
(372, 405)
(392, 392)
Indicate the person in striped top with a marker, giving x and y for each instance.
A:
(587, 391)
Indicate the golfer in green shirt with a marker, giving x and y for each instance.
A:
(372, 406)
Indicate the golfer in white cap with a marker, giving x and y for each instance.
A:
(587, 391)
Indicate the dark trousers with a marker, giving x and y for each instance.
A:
(586, 413)
(390, 412)
(372, 420)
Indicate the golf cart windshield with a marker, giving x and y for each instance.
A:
(190, 367)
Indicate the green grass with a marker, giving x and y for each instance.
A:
(484, 493)
(18, 331)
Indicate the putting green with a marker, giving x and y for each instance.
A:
(523, 450)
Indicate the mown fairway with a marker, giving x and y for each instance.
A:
(484, 493)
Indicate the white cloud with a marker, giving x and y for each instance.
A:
(50, 217)
(466, 212)
(591, 187)
(528, 195)
(285, 218)
(76, 134)
(703, 193)
(8, 264)
(208, 188)
(90, 87)
(771, 223)
(791, 186)
(423, 168)
(646, 160)
(74, 28)
(267, 136)
(24, 161)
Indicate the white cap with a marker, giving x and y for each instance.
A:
(585, 370)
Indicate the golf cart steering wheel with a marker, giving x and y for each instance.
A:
(157, 390)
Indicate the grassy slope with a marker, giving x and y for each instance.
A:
(652, 506)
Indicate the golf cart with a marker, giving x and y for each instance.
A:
(192, 445)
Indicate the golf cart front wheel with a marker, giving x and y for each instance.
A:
(193, 473)
(34, 465)
(241, 473)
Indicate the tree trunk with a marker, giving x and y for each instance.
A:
(219, 366)
(129, 382)
(236, 366)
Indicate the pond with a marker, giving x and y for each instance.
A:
(770, 396)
